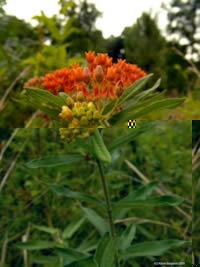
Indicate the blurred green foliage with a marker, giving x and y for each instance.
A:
(196, 191)
(25, 199)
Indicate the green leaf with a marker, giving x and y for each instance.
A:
(50, 24)
(71, 255)
(100, 224)
(36, 245)
(141, 104)
(142, 192)
(105, 252)
(142, 96)
(88, 262)
(54, 161)
(61, 190)
(127, 237)
(158, 201)
(44, 96)
(48, 110)
(126, 138)
(133, 101)
(136, 86)
(124, 116)
(49, 230)
(151, 248)
(72, 228)
(109, 106)
(46, 260)
(100, 149)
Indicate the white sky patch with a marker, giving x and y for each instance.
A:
(116, 14)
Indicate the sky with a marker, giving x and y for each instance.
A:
(116, 14)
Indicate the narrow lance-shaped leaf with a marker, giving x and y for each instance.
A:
(46, 229)
(152, 202)
(105, 252)
(44, 96)
(47, 109)
(62, 190)
(133, 101)
(169, 103)
(71, 255)
(72, 228)
(46, 260)
(88, 262)
(142, 192)
(54, 161)
(127, 237)
(136, 86)
(157, 105)
(141, 96)
(100, 224)
(36, 245)
(151, 248)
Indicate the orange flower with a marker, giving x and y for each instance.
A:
(90, 56)
(100, 79)
(101, 59)
(111, 73)
(78, 74)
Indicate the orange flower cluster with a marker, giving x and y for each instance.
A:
(100, 79)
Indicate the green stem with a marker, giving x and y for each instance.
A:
(108, 205)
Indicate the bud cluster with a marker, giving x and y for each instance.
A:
(70, 134)
(80, 114)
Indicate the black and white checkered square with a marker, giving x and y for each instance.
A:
(131, 123)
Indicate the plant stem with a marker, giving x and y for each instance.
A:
(108, 205)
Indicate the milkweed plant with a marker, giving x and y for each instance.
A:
(80, 101)
(99, 95)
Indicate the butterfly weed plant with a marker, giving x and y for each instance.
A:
(80, 100)
(114, 247)
(98, 95)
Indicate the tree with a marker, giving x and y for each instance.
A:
(184, 23)
(144, 45)
(84, 16)
(115, 47)
(2, 3)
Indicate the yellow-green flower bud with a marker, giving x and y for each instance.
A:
(81, 111)
(77, 104)
(76, 131)
(70, 102)
(91, 106)
(89, 114)
(75, 123)
(66, 113)
(96, 115)
(84, 121)
(85, 105)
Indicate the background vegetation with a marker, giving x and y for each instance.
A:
(196, 186)
(25, 199)
(62, 39)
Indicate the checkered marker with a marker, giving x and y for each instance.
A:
(131, 123)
